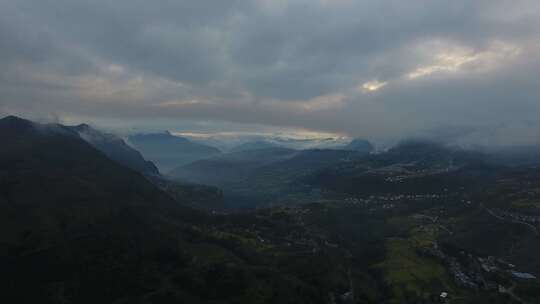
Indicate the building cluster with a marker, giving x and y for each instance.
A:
(298, 238)
(417, 174)
(473, 273)
(531, 219)
(468, 280)
(391, 197)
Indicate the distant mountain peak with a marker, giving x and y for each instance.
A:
(164, 135)
(254, 145)
(116, 149)
(83, 126)
(169, 151)
(15, 121)
(360, 145)
(13, 118)
(420, 145)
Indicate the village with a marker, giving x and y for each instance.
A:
(466, 269)
(480, 273)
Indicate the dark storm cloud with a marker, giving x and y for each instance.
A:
(379, 69)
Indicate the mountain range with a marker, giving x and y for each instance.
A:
(77, 227)
(116, 149)
(81, 224)
(169, 151)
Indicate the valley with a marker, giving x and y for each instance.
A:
(419, 223)
(269, 152)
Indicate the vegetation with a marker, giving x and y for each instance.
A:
(78, 227)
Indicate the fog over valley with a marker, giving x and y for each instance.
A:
(270, 151)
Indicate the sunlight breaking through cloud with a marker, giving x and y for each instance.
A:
(357, 67)
(373, 85)
(459, 58)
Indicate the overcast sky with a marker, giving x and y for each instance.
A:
(380, 69)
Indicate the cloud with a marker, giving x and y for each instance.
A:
(373, 85)
(448, 58)
(380, 69)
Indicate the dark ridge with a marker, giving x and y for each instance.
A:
(15, 123)
(116, 149)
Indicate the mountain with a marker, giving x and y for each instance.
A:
(254, 145)
(73, 222)
(424, 218)
(516, 155)
(256, 177)
(196, 196)
(360, 145)
(234, 166)
(116, 149)
(309, 143)
(76, 227)
(169, 151)
(410, 167)
(228, 168)
(193, 195)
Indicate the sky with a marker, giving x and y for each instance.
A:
(462, 71)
